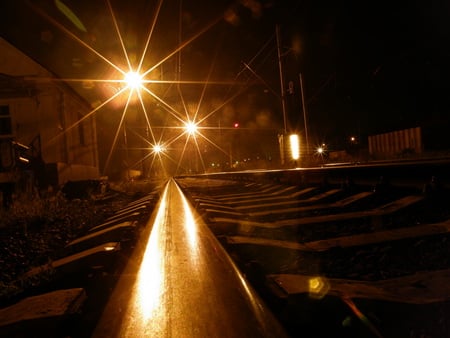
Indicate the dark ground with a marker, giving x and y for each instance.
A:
(35, 232)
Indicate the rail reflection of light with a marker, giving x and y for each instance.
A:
(190, 226)
(150, 280)
(179, 282)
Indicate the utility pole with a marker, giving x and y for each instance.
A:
(283, 97)
(280, 66)
(305, 121)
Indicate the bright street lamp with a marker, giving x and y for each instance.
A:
(191, 128)
(295, 146)
(157, 149)
(133, 80)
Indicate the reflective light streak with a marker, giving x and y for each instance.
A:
(151, 279)
(169, 108)
(149, 35)
(118, 131)
(116, 26)
(190, 226)
(87, 116)
(180, 282)
(146, 116)
(183, 45)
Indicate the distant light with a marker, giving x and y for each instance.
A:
(133, 80)
(295, 146)
(191, 128)
(321, 149)
(236, 125)
(158, 148)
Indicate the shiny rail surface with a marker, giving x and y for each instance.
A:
(180, 282)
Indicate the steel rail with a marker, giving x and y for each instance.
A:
(180, 282)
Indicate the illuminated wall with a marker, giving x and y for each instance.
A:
(38, 106)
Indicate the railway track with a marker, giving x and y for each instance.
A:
(337, 259)
(329, 256)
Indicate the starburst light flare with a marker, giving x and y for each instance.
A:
(133, 80)
(191, 128)
(158, 148)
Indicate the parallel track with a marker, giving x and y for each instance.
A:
(338, 259)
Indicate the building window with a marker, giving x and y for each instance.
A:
(5, 121)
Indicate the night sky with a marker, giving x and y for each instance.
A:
(367, 66)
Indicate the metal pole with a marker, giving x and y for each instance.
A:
(305, 121)
(283, 96)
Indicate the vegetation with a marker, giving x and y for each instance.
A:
(34, 232)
